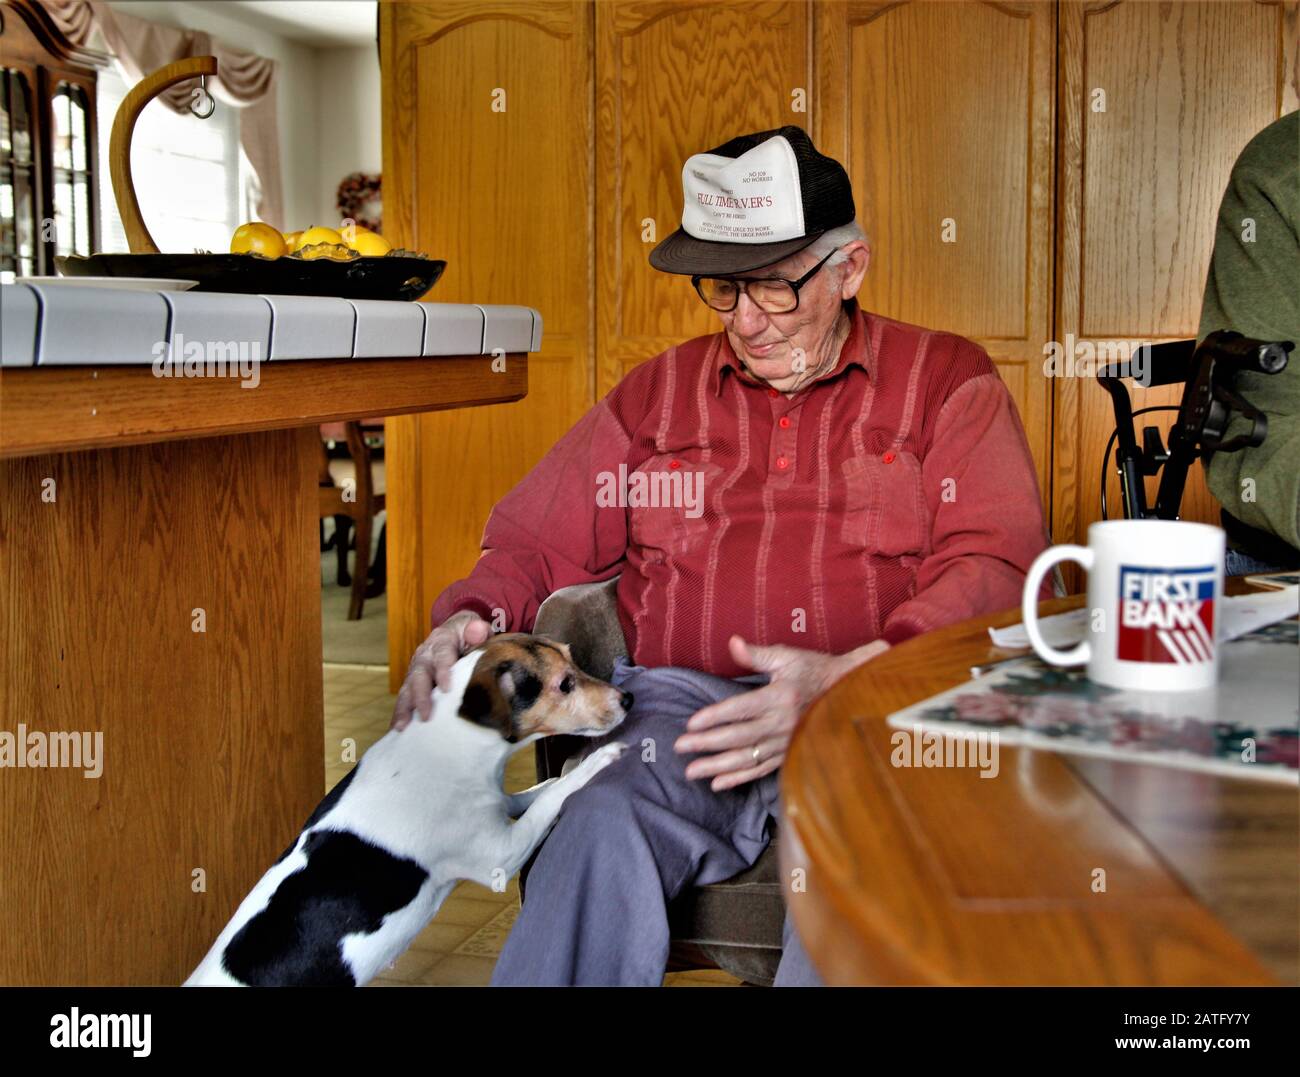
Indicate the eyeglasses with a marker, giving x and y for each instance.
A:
(773, 294)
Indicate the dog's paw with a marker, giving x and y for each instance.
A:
(607, 753)
(597, 761)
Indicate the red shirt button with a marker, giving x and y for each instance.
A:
(783, 422)
(782, 462)
(675, 463)
(888, 458)
(771, 392)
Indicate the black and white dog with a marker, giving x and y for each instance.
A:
(423, 809)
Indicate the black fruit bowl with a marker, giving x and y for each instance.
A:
(362, 278)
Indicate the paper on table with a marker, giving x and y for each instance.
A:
(1060, 630)
(1241, 614)
(1245, 613)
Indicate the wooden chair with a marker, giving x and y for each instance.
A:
(352, 491)
(735, 925)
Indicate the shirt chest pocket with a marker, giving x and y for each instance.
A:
(884, 510)
(666, 505)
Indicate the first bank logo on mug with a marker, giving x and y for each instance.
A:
(1166, 616)
(1153, 589)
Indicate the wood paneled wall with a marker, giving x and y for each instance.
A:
(998, 205)
(673, 79)
(505, 197)
(1186, 85)
(943, 115)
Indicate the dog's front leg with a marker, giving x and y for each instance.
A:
(533, 825)
(518, 803)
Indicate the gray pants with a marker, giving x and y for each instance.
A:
(631, 840)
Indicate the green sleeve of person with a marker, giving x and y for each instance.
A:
(1254, 288)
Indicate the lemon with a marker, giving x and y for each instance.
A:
(370, 244)
(318, 234)
(256, 237)
(292, 241)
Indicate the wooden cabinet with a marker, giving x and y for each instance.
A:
(48, 187)
(538, 147)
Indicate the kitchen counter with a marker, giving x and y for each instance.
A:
(62, 325)
(161, 596)
(84, 367)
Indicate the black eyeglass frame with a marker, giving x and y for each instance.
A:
(795, 286)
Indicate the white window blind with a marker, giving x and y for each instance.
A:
(192, 180)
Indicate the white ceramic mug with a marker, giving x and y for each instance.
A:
(1154, 591)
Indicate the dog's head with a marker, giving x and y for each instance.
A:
(526, 686)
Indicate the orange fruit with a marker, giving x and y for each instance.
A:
(317, 234)
(292, 240)
(369, 244)
(257, 237)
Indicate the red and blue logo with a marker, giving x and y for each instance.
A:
(1166, 615)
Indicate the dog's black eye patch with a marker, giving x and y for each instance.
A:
(347, 887)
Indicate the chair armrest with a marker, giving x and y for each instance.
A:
(585, 616)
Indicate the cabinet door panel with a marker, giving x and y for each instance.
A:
(675, 79)
(487, 163)
(942, 114)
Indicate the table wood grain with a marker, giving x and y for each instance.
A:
(939, 876)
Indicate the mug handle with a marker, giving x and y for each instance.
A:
(1044, 563)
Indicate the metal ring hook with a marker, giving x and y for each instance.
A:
(202, 94)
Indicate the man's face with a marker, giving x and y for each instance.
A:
(786, 350)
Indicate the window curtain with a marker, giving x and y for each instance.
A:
(244, 80)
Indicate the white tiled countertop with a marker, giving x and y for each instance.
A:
(67, 325)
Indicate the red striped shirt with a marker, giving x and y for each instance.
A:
(892, 496)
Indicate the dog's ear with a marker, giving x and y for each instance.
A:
(518, 684)
(497, 690)
(484, 702)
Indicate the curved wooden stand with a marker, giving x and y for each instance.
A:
(119, 143)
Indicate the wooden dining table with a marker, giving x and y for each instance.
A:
(1061, 870)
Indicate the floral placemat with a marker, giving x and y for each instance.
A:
(1247, 726)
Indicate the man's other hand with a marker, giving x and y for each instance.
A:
(764, 718)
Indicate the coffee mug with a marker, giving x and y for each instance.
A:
(1153, 595)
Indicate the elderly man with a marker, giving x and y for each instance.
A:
(843, 482)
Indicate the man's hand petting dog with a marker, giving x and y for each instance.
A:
(763, 717)
(431, 664)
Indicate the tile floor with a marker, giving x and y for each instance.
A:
(460, 946)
